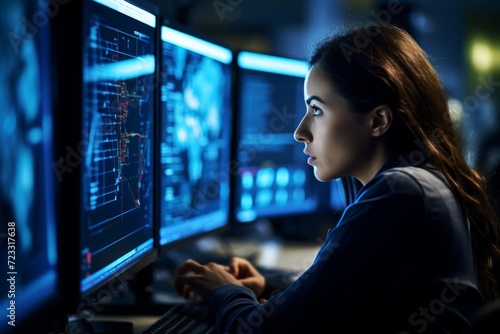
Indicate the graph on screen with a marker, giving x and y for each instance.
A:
(118, 120)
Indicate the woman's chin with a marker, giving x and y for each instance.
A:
(320, 177)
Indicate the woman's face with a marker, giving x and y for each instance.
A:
(337, 140)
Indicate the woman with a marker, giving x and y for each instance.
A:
(417, 252)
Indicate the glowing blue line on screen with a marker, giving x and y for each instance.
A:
(196, 45)
(130, 10)
(109, 270)
(122, 70)
(198, 224)
(272, 64)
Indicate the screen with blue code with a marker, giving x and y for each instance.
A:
(273, 178)
(195, 136)
(117, 197)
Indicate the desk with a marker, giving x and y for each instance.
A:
(295, 256)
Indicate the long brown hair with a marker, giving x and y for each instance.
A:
(375, 64)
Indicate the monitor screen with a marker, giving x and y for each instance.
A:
(118, 117)
(28, 235)
(106, 116)
(273, 177)
(195, 134)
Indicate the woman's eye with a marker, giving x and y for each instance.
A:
(316, 111)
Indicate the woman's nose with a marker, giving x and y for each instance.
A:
(301, 132)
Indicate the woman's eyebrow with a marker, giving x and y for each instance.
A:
(314, 97)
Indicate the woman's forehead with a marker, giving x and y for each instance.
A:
(318, 84)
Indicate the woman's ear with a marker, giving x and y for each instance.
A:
(380, 120)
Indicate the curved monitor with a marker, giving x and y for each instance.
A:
(273, 178)
(195, 135)
(107, 114)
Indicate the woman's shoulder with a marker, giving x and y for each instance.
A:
(414, 181)
(405, 179)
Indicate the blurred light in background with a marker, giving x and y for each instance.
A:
(482, 56)
(456, 110)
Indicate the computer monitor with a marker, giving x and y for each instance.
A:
(195, 136)
(273, 179)
(107, 123)
(28, 235)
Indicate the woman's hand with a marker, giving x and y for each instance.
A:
(247, 275)
(196, 279)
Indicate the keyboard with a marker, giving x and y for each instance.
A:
(184, 318)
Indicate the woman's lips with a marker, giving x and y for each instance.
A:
(310, 160)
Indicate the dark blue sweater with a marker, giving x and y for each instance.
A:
(398, 261)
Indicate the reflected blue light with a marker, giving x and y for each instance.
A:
(337, 195)
(182, 135)
(282, 177)
(122, 70)
(281, 196)
(299, 177)
(28, 80)
(263, 197)
(247, 180)
(35, 136)
(246, 216)
(272, 64)
(246, 201)
(265, 178)
(130, 10)
(9, 124)
(197, 45)
(299, 194)
(24, 176)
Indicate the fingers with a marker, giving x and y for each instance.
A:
(186, 292)
(239, 266)
(233, 266)
(182, 289)
(192, 277)
(185, 273)
(189, 267)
